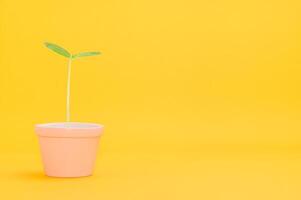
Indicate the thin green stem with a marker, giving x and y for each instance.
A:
(68, 91)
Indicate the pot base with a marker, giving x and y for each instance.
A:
(63, 176)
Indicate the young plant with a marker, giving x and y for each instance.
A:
(63, 52)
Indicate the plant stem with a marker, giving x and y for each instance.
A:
(68, 91)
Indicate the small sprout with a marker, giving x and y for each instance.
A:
(63, 52)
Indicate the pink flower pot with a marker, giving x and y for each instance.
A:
(69, 148)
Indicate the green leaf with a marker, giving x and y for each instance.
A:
(83, 54)
(58, 49)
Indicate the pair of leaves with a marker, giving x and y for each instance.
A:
(63, 52)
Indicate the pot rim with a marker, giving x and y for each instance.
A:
(69, 125)
(69, 129)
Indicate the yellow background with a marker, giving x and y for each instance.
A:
(200, 99)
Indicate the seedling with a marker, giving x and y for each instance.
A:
(63, 52)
